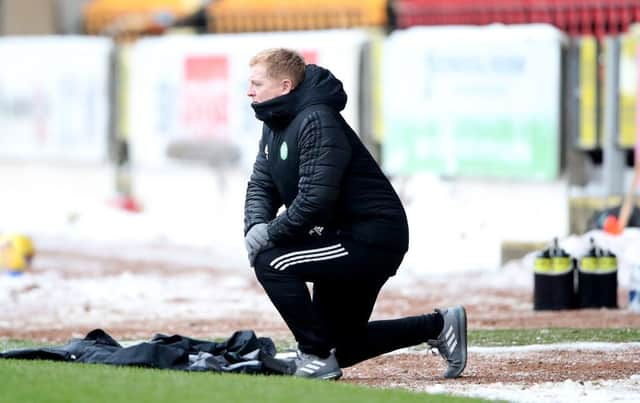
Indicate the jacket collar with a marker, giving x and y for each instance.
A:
(319, 87)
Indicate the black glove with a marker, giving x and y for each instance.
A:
(257, 240)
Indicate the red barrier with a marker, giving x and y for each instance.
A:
(576, 17)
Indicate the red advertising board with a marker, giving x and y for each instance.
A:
(204, 99)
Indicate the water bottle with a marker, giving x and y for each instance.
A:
(542, 263)
(608, 262)
(608, 273)
(589, 262)
(561, 261)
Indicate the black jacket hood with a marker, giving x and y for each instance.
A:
(318, 87)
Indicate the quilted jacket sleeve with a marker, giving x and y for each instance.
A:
(324, 153)
(262, 200)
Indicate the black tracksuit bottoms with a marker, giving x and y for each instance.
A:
(347, 276)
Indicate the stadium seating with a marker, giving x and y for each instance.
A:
(576, 17)
(104, 16)
(286, 15)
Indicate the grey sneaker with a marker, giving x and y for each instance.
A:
(312, 366)
(452, 341)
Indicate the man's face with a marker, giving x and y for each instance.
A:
(262, 87)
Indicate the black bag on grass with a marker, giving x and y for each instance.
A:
(243, 352)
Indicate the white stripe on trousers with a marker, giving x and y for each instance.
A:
(304, 252)
(309, 255)
(345, 253)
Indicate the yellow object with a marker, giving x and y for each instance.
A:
(99, 15)
(542, 264)
(628, 88)
(561, 264)
(588, 137)
(589, 264)
(16, 252)
(608, 264)
(286, 15)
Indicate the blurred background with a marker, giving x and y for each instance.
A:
(502, 124)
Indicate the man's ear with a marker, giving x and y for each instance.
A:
(287, 86)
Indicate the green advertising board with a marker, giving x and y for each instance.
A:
(474, 148)
(473, 101)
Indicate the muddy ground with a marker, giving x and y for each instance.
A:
(133, 298)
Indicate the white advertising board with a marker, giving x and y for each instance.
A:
(194, 87)
(54, 98)
(473, 101)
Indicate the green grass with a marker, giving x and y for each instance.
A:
(44, 381)
(480, 338)
(525, 337)
(521, 337)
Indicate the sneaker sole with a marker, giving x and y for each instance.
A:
(332, 376)
(462, 318)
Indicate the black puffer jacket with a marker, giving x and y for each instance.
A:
(311, 161)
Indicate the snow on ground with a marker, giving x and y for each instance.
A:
(190, 221)
(131, 296)
(569, 390)
(454, 225)
(596, 346)
(623, 391)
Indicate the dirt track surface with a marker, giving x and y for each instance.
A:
(523, 367)
(51, 304)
